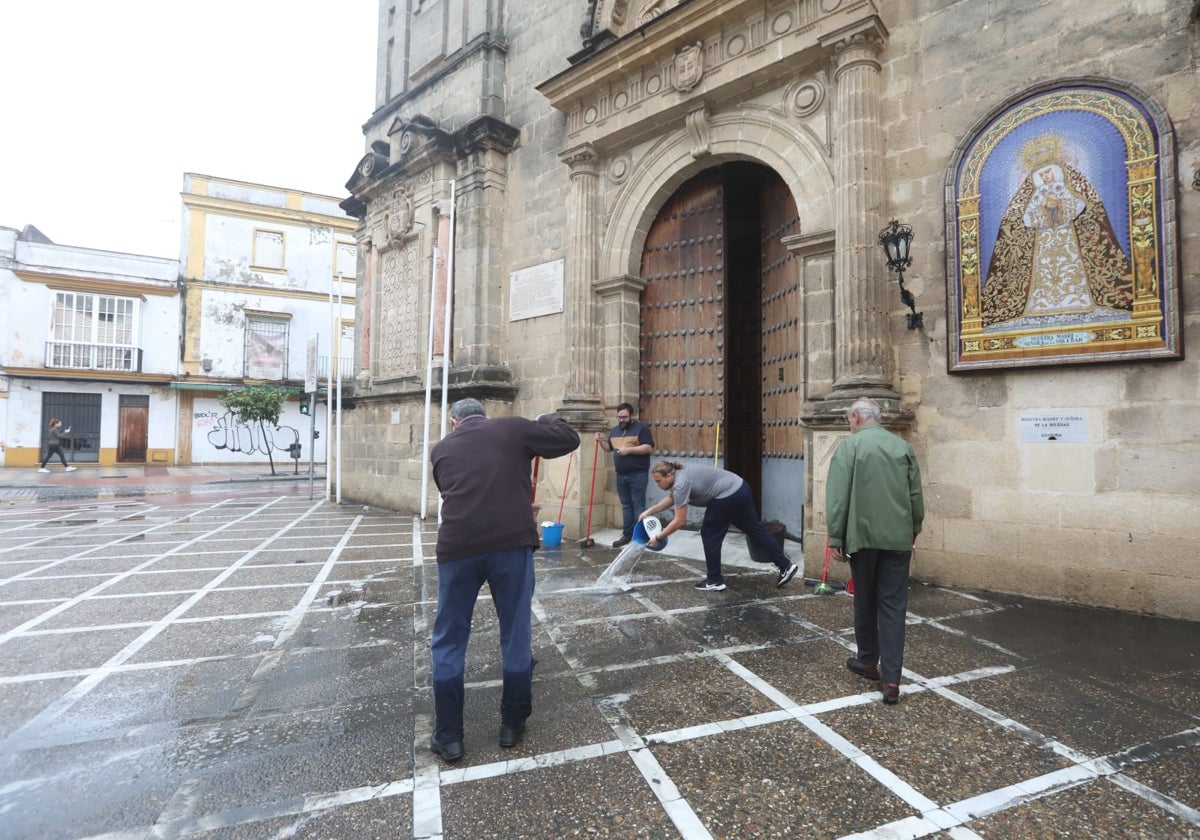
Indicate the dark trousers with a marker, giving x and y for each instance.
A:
(737, 509)
(631, 490)
(509, 575)
(52, 450)
(880, 605)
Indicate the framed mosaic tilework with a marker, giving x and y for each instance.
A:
(1061, 232)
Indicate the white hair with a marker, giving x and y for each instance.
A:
(866, 408)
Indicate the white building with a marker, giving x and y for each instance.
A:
(90, 337)
(261, 268)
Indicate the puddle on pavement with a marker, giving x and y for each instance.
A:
(59, 522)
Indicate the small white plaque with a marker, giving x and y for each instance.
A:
(534, 291)
(1036, 428)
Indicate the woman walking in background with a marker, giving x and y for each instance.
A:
(55, 445)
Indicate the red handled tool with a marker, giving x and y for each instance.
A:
(566, 481)
(587, 541)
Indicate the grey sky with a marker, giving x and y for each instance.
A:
(106, 105)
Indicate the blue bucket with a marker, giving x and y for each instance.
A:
(552, 535)
(642, 538)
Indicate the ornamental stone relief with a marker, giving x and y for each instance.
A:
(687, 68)
(398, 304)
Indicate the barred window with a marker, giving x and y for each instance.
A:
(266, 346)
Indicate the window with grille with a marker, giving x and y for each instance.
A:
(266, 348)
(96, 332)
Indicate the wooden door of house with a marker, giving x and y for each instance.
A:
(721, 364)
(133, 429)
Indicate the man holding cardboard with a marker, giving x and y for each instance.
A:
(631, 443)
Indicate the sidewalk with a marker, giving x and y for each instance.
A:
(124, 480)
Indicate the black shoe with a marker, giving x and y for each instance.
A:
(786, 574)
(452, 751)
(625, 539)
(709, 586)
(891, 693)
(511, 735)
(870, 672)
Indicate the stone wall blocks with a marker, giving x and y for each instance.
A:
(1043, 390)
(948, 501)
(1174, 470)
(1067, 467)
(984, 539)
(1174, 597)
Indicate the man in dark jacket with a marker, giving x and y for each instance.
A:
(487, 534)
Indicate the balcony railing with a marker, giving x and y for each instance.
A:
(323, 369)
(66, 354)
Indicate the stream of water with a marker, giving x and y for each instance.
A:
(616, 576)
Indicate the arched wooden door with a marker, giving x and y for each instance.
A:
(720, 333)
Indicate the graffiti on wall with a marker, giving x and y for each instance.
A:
(229, 434)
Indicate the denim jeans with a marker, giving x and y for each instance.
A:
(509, 575)
(631, 490)
(880, 606)
(737, 509)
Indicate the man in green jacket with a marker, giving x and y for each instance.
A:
(874, 510)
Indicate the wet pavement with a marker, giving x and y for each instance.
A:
(95, 482)
(243, 662)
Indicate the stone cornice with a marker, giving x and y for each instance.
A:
(656, 73)
(618, 284)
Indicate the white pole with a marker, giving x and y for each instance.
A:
(446, 325)
(329, 405)
(428, 387)
(338, 348)
(446, 330)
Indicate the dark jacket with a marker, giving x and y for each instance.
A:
(631, 463)
(483, 471)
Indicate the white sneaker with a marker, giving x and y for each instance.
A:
(43, 469)
(71, 469)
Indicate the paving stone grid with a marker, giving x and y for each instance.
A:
(259, 667)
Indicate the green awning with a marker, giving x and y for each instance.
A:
(216, 386)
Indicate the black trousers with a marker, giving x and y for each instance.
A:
(880, 607)
(51, 451)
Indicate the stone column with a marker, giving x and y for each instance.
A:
(863, 340)
(438, 301)
(364, 333)
(862, 337)
(582, 399)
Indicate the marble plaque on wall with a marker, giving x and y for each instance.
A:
(534, 291)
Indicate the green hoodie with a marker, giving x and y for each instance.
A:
(873, 495)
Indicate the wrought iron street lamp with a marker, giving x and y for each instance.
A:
(896, 239)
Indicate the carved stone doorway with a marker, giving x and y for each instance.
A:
(721, 364)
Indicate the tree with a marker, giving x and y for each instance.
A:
(257, 405)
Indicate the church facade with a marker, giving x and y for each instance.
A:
(679, 204)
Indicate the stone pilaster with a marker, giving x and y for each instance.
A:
(582, 399)
(620, 338)
(863, 341)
